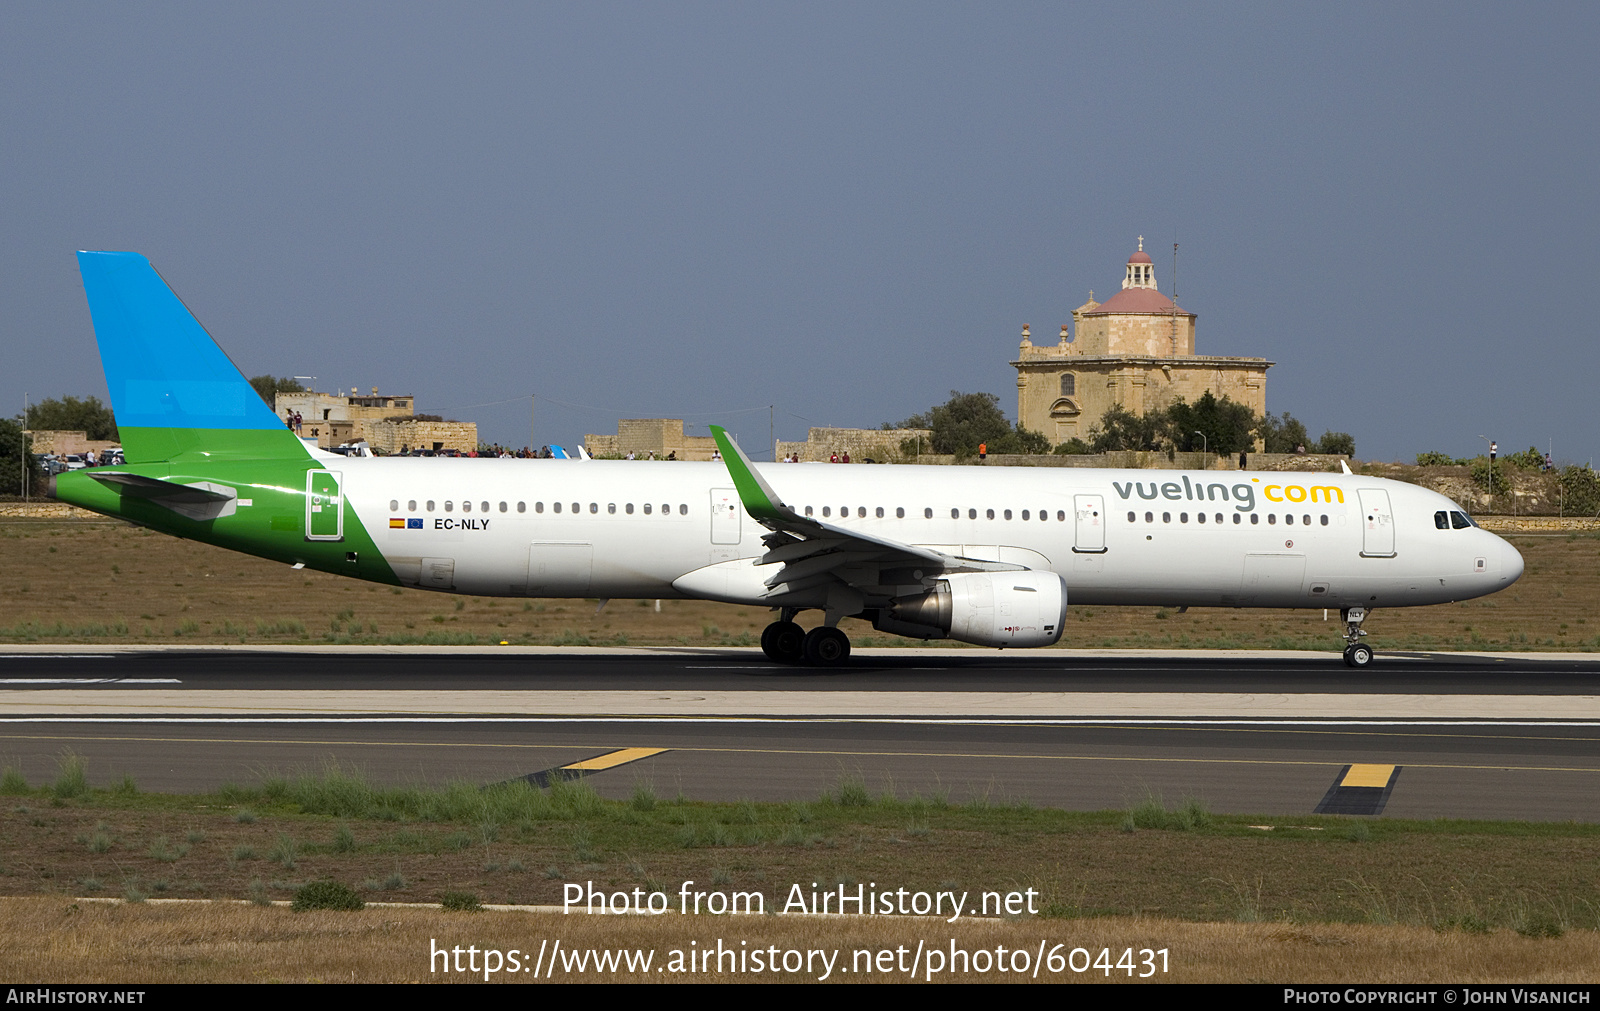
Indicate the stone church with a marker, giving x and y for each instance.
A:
(1135, 349)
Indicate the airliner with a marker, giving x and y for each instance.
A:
(981, 555)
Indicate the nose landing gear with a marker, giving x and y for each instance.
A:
(1356, 652)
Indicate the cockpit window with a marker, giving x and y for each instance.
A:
(1461, 521)
(1441, 519)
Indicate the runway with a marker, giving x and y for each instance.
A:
(1275, 734)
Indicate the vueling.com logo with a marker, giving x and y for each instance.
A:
(1243, 494)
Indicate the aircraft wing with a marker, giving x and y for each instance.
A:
(810, 553)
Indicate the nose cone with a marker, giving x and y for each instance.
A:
(1510, 562)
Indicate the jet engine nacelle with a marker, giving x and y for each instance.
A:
(984, 608)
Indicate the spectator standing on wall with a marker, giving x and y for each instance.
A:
(834, 458)
(983, 451)
(845, 458)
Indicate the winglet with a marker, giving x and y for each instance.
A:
(1344, 466)
(760, 501)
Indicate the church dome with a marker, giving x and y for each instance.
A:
(1140, 257)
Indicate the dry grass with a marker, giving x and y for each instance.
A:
(76, 581)
(517, 845)
(72, 942)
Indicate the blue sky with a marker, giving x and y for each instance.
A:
(845, 211)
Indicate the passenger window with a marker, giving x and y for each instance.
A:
(666, 509)
(955, 514)
(447, 506)
(484, 507)
(1132, 517)
(1255, 519)
(1199, 517)
(1272, 519)
(1149, 517)
(826, 512)
(880, 512)
(556, 506)
(629, 508)
(538, 507)
(466, 507)
(1061, 515)
(989, 513)
(1219, 518)
(972, 514)
(1008, 514)
(861, 511)
(899, 513)
(394, 505)
(1324, 519)
(411, 506)
(1289, 518)
(1026, 516)
(647, 510)
(576, 508)
(522, 507)
(594, 507)
(808, 510)
(502, 507)
(1166, 517)
(611, 508)
(683, 510)
(1460, 521)
(1183, 517)
(927, 514)
(430, 505)
(1236, 519)
(1305, 521)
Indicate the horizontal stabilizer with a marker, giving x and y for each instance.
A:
(200, 501)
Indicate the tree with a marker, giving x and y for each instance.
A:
(1226, 427)
(968, 420)
(1282, 435)
(11, 461)
(1121, 429)
(269, 387)
(69, 414)
(1342, 443)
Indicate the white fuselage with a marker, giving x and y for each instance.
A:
(556, 528)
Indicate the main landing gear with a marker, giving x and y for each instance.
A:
(786, 642)
(1356, 652)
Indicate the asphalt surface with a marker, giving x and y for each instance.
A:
(1468, 737)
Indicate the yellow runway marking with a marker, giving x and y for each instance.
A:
(614, 759)
(1368, 775)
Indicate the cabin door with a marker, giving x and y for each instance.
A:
(324, 506)
(1090, 534)
(1377, 524)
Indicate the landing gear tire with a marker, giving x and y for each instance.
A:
(1359, 655)
(826, 647)
(784, 642)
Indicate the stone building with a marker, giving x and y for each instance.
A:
(387, 422)
(1136, 349)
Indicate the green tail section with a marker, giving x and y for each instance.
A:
(207, 459)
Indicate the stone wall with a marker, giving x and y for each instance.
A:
(62, 442)
(863, 444)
